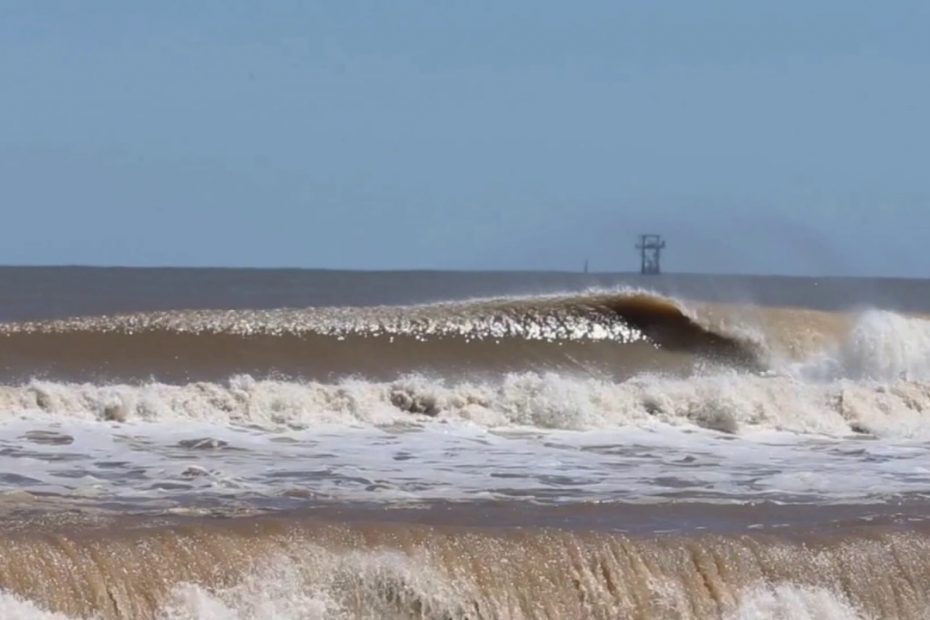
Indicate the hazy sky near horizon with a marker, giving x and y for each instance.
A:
(759, 137)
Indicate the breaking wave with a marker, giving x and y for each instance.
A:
(592, 361)
(616, 334)
(727, 402)
(251, 569)
(274, 595)
(570, 362)
(879, 346)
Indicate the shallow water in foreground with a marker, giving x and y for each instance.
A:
(298, 566)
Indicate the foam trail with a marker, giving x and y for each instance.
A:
(13, 607)
(278, 593)
(791, 602)
(730, 402)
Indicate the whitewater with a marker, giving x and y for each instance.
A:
(600, 452)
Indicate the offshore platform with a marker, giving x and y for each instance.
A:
(650, 251)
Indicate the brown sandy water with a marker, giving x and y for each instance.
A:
(441, 562)
(285, 444)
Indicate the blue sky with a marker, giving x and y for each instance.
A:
(761, 137)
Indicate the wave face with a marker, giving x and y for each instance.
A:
(617, 334)
(291, 569)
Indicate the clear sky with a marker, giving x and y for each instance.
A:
(764, 137)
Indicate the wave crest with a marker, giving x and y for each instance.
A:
(616, 334)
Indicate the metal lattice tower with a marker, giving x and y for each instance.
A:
(650, 250)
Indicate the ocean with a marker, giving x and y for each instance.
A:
(242, 443)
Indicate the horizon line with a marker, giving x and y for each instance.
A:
(590, 274)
